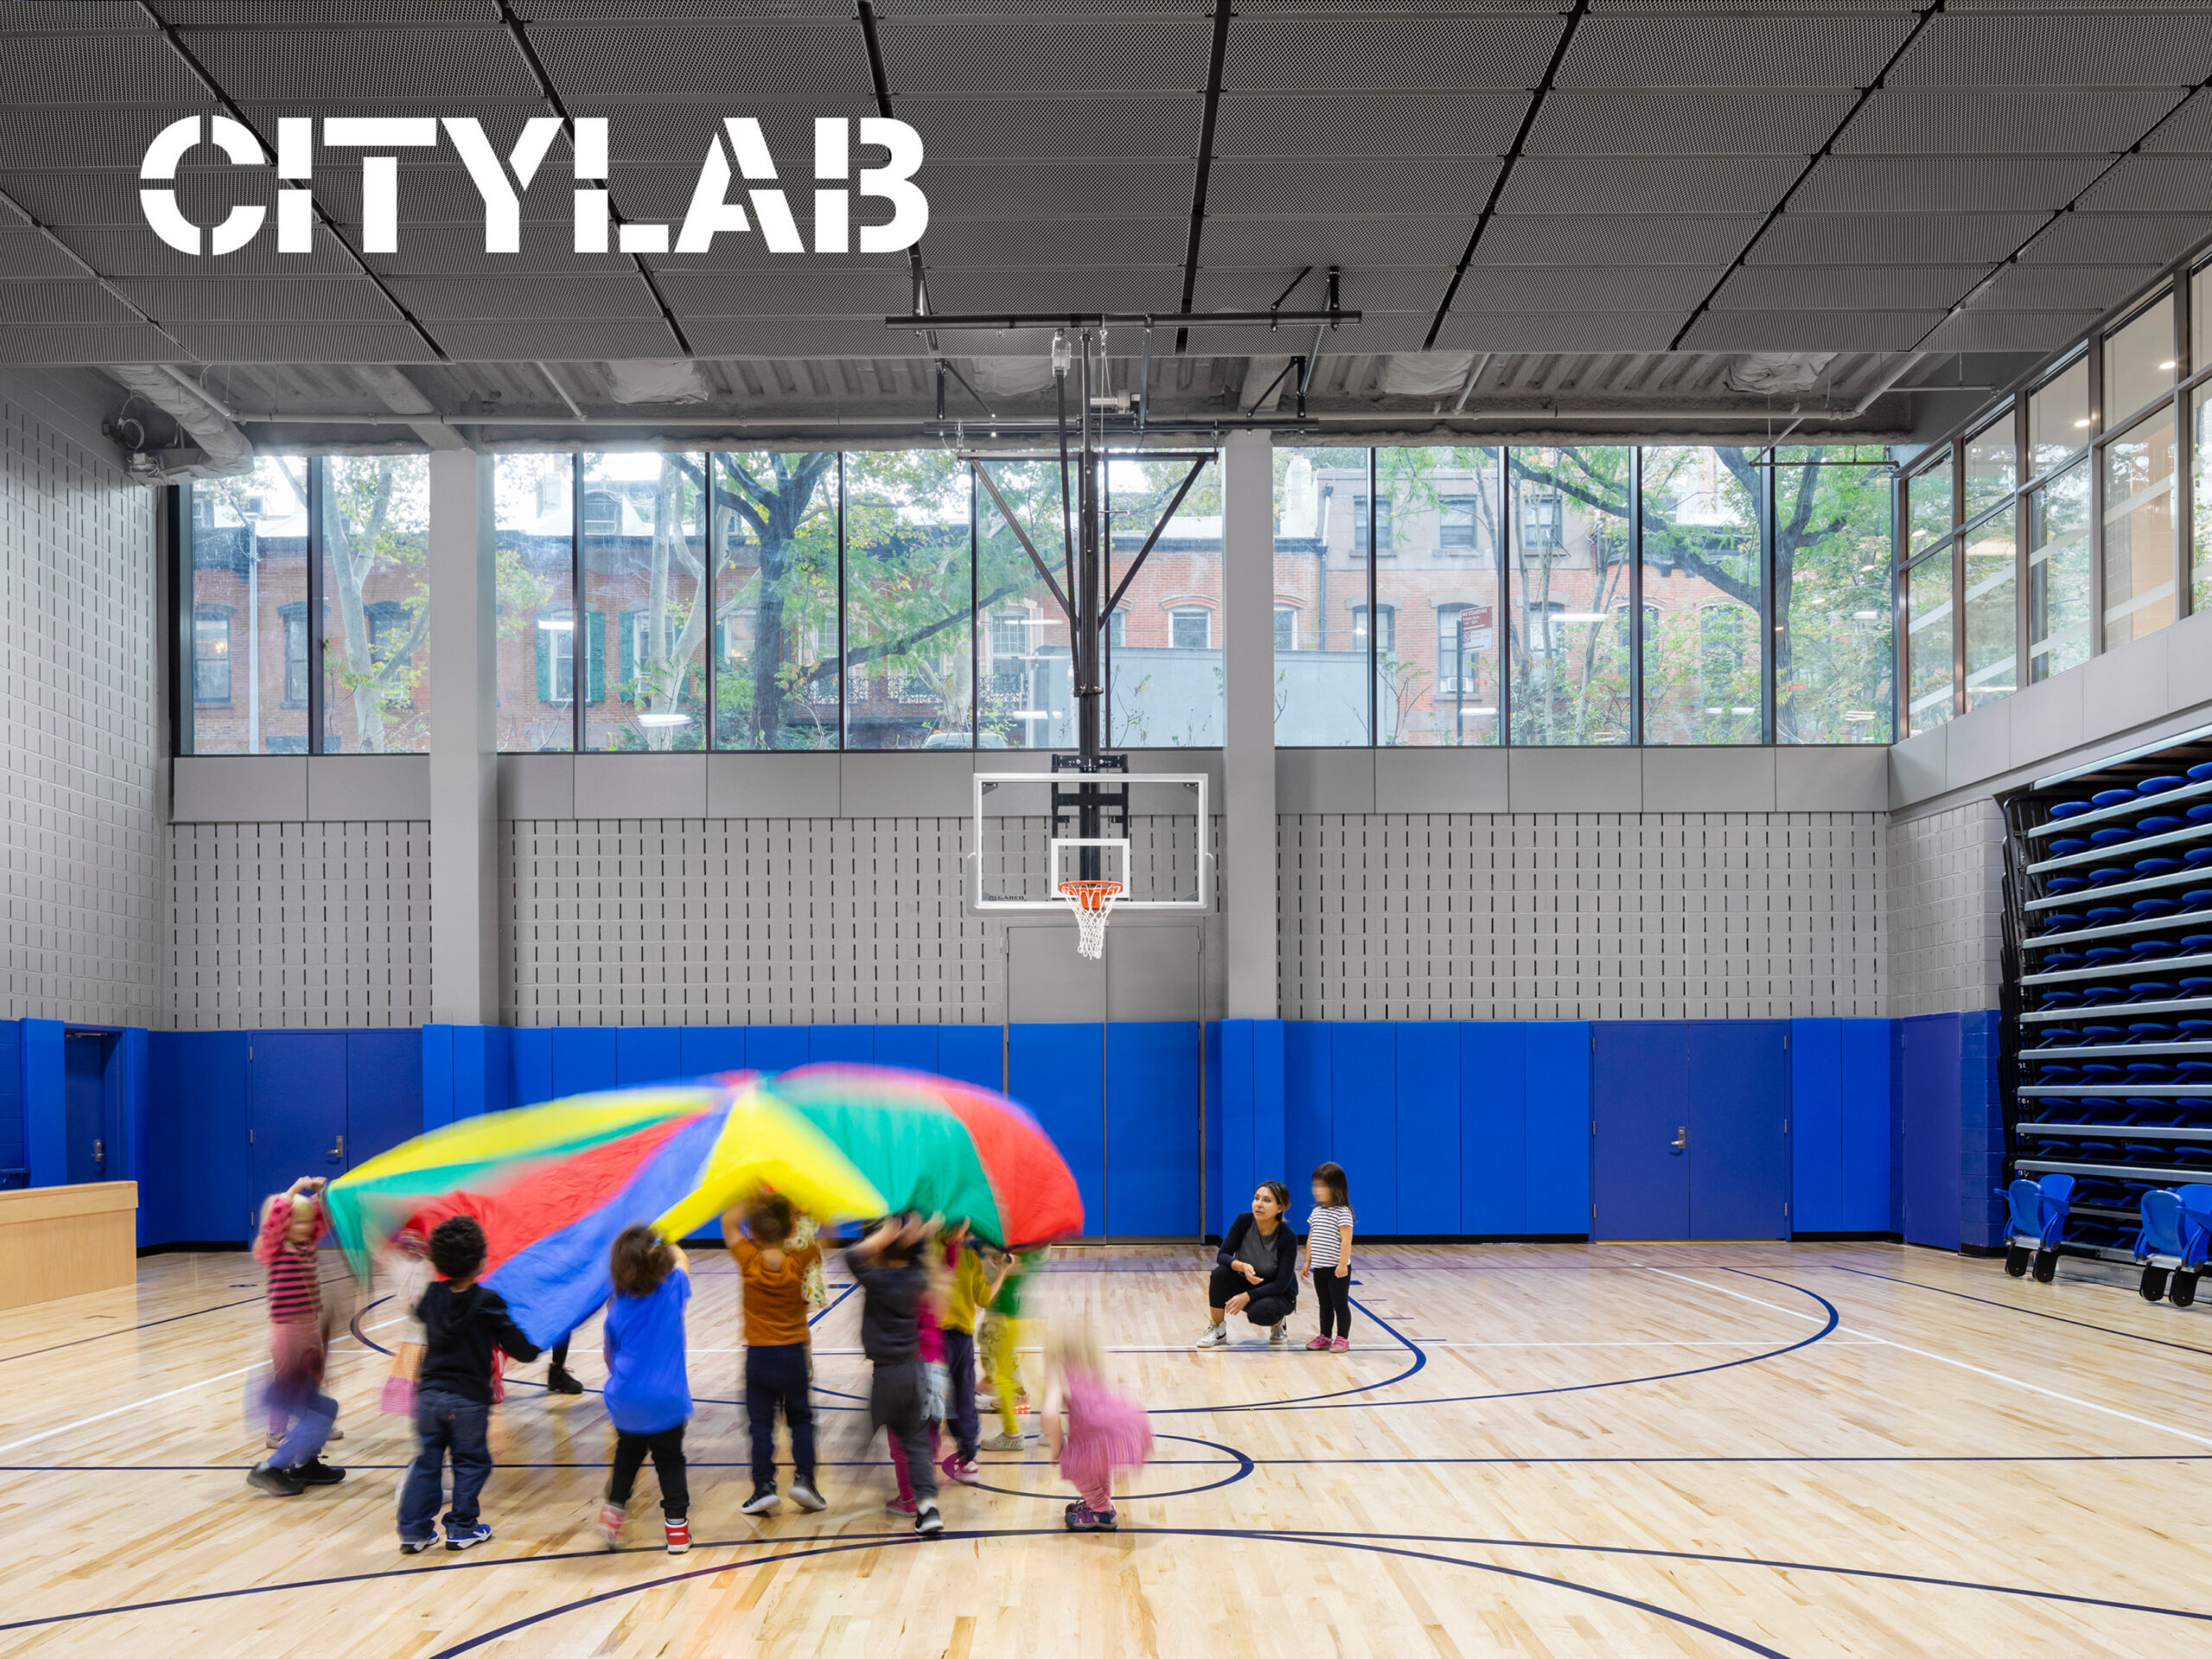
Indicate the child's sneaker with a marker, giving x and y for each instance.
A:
(333, 1437)
(806, 1495)
(1004, 1443)
(1279, 1334)
(898, 1506)
(467, 1537)
(611, 1517)
(1217, 1336)
(275, 1439)
(416, 1545)
(929, 1524)
(277, 1483)
(966, 1473)
(1341, 1344)
(1319, 1344)
(559, 1381)
(315, 1472)
(679, 1537)
(1081, 1517)
(763, 1501)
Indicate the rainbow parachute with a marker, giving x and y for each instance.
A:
(553, 1184)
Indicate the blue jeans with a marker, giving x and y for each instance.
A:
(776, 1375)
(960, 1363)
(445, 1423)
(309, 1413)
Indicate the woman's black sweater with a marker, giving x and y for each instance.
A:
(1285, 1282)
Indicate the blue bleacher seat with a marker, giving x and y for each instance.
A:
(2036, 1222)
(2111, 834)
(2058, 884)
(2197, 856)
(2151, 1031)
(2158, 864)
(2160, 824)
(2156, 903)
(2067, 846)
(2105, 875)
(2114, 796)
(2071, 809)
(2160, 785)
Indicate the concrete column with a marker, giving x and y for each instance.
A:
(464, 779)
(1248, 744)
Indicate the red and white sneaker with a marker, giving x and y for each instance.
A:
(966, 1473)
(898, 1506)
(611, 1517)
(679, 1537)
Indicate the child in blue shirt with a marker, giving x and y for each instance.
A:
(648, 1388)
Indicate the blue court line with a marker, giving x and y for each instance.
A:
(127, 1330)
(1420, 1360)
(1379, 1543)
(1262, 1462)
(1243, 1467)
(2032, 1313)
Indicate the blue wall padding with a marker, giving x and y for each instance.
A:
(1308, 1111)
(851, 1044)
(1816, 1133)
(1151, 1129)
(1219, 1039)
(195, 1137)
(1558, 1103)
(437, 1078)
(11, 1098)
(1981, 1132)
(705, 1050)
(1738, 1120)
(1247, 1108)
(1840, 1126)
(134, 1110)
(586, 1059)
(45, 1108)
(1930, 1105)
(1362, 1120)
(1057, 1071)
(1639, 1102)
(1427, 1127)
(910, 1048)
(648, 1054)
(384, 1091)
(975, 1054)
(775, 1048)
(1493, 1129)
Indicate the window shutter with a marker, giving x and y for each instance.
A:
(595, 648)
(626, 685)
(544, 660)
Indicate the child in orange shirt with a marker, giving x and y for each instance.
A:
(774, 1277)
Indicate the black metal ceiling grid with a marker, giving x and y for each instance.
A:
(1982, 239)
(521, 299)
(1069, 50)
(62, 302)
(2140, 239)
(368, 62)
(299, 342)
(1847, 287)
(1986, 329)
(245, 299)
(1350, 53)
(2060, 288)
(2163, 184)
(1980, 121)
(786, 294)
(1258, 189)
(1642, 122)
(1050, 240)
(1565, 331)
(2097, 46)
(1355, 241)
(1758, 53)
(1049, 127)
(1947, 184)
(725, 69)
(1104, 288)
(1706, 241)
(1296, 129)
(1738, 184)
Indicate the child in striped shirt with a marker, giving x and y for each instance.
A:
(292, 1224)
(1328, 1256)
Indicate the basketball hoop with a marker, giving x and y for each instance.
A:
(1089, 902)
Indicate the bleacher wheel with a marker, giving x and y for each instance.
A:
(2182, 1291)
(2046, 1266)
(2154, 1284)
(2016, 1257)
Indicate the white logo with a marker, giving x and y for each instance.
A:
(501, 181)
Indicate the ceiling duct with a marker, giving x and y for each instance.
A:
(1425, 374)
(224, 452)
(645, 380)
(1784, 372)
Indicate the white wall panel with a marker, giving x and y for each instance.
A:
(1946, 902)
(1581, 916)
(79, 712)
(299, 924)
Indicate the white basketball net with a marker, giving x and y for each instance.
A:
(1090, 902)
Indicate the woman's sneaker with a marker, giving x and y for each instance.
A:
(610, 1525)
(1081, 1517)
(1341, 1344)
(1279, 1334)
(468, 1537)
(679, 1537)
(763, 1501)
(1319, 1344)
(804, 1494)
(1217, 1336)
(929, 1524)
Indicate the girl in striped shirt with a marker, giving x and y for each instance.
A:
(1328, 1256)
(292, 1225)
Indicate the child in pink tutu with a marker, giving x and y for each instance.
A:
(1105, 1431)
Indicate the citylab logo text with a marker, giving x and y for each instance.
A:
(378, 142)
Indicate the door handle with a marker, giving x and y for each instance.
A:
(337, 1152)
(1682, 1139)
(99, 1152)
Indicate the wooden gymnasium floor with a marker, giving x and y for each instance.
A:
(1623, 1449)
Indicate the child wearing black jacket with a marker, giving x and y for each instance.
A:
(462, 1323)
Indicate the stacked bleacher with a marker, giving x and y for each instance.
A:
(2108, 948)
